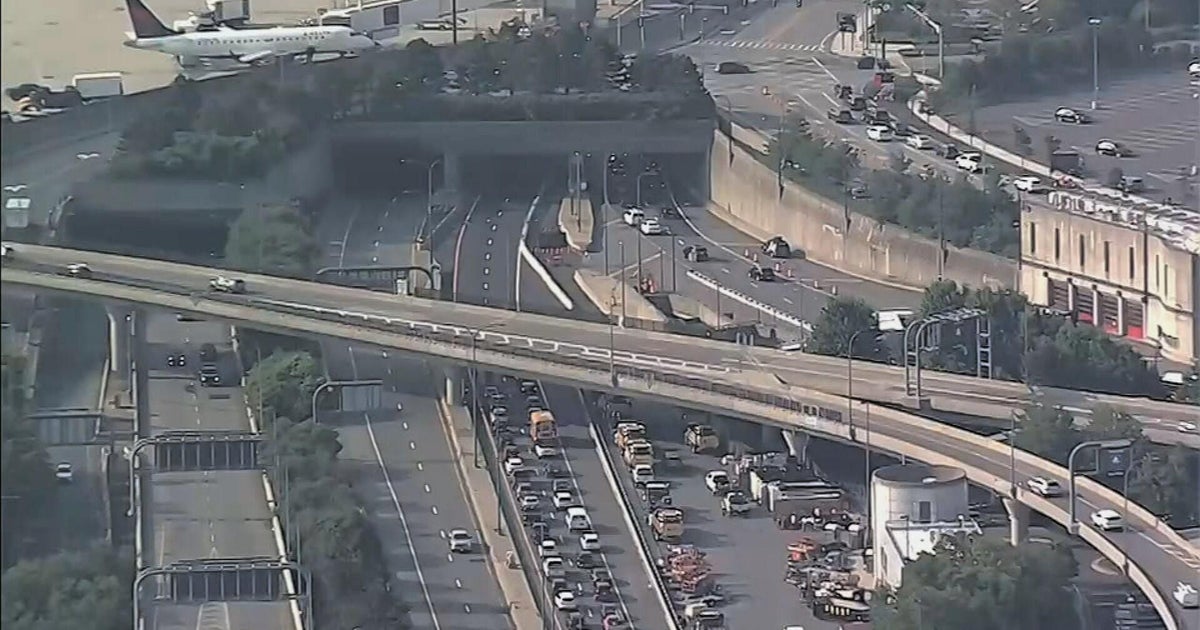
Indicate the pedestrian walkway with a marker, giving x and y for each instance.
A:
(760, 45)
(478, 486)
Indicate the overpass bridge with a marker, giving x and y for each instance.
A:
(768, 387)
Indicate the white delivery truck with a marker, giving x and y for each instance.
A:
(98, 85)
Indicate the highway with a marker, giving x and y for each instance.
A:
(70, 368)
(482, 255)
(200, 515)
(409, 483)
(1160, 553)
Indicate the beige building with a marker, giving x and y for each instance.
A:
(1130, 268)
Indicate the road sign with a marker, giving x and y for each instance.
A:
(360, 398)
(1114, 462)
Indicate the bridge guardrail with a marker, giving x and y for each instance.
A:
(815, 414)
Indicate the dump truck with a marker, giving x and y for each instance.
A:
(542, 426)
(701, 438)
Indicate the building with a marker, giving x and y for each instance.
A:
(912, 506)
(1127, 266)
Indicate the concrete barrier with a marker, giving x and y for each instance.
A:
(616, 298)
(779, 314)
(577, 222)
(746, 193)
(527, 255)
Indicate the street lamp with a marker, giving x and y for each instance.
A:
(639, 187)
(429, 190)
(729, 117)
(604, 206)
(1095, 24)
(1108, 445)
(937, 28)
(850, 407)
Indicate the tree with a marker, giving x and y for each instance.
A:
(26, 479)
(841, 318)
(1168, 484)
(90, 589)
(984, 584)
(1048, 432)
(276, 240)
(282, 385)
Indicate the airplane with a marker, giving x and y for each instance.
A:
(247, 46)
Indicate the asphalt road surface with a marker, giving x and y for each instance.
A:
(1157, 116)
(46, 177)
(201, 515)
(748, 553)
(69, 373)
(406, 471)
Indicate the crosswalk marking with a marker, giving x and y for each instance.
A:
(761, 45)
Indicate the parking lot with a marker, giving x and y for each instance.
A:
(1156, 117)
(595, 584)
(746, 556)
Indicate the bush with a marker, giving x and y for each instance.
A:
(275, 240)
(90, 589)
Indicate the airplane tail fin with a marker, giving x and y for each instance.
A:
(145, 23)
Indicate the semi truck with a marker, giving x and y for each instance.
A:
(542, 426)
(98, 85)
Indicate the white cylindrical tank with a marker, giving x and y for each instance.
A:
(917, 493)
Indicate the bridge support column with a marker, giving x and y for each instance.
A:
(1018, 520)
(120, 360)
(797, 445)
(452, 171)
(140, 378)
(453, 392)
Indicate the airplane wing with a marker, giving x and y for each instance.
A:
(256, 57)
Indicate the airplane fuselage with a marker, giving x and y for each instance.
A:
(248, 45)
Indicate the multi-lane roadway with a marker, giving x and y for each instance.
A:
(407, 474)
(202, 515)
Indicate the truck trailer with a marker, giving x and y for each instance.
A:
(98, 85)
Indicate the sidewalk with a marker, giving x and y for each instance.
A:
(616, 9)
(478, 486)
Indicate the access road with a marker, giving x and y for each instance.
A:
(202, 515)
(407, 476)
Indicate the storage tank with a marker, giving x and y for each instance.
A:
(918, 493)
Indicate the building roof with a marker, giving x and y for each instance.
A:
(1177, 225)
(918, 474)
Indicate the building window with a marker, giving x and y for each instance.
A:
(1082, 251)
(1157, 280)
(924, 512)
(1057, 245)
(1032, 238)
(1106, 258)
(1131, 264)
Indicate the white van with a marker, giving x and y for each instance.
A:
(578, 519)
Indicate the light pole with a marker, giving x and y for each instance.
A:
(1095, 24)
(937, 28)
(639, 188)
(729, 117)
(850, 409)
(1012, 453)
(612, 334)
(604, 207)
(429, 189)
(1108, 445)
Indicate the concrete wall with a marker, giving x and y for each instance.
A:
(1140, 268)
(469, 137)
(746, 193)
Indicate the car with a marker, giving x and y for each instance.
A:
(589, 541)
(695, 253)
(1070, 116)
(78, 270)
(843, 92)
(1194, 69)
(7, 251)
(858, 104)
(587, 560)
(948, 151)
(530, 502)
(554, 567)
(717, 481)
(1187, 427)
(461, 541)
(642, 474)
(1112, 148)
(1029, 184)
(1131, 184)
(499, 415)
(210, 376)
(529, 387)
(542, 450)
(176, 360)
(633, 216)
(1108, 520)
(732, 67)
(565, 600)
(561, 485)
(614, 620)
(63, 472)
(652, 227)
(777, 247)
(919, 141)
(880, 133)
(761, 274)
(840, 116)
(1044, 487)
(548, 548)
(969, 162)
(564, 499)
(227, 285)
(512, 464)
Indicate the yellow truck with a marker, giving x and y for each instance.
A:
(542, 426)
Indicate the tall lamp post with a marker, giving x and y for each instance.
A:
(850, 413)
(1107, 445)
(429, 192)
(729, 117)
(1095, 24)
(937, 28)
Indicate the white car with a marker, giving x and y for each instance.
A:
(1069, 116)
(651, 227)
(643, 474)
(548, 548)
(633, 216)
(879, 133)
(589, 541)
(920, 142)
(530, 502)
(1108, 520)
(554, 567)
(1029, 184)
(1111, 148)
(79, 270)
(7, 252)
(565, 600)
(1187, 427)
(543, 450)
(461, 541)
(1044, 487)
(499, 415)
(970, 162)
(64, 473)
(512, 464)
(716, 481)
(563, 499)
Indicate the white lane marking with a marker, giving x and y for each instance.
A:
(457, 583)
(489, 242)
(824, 69)
(467, 607)
(434, 508)
(412, 446)
(426, 487)
(420, 466)
(405, 425)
